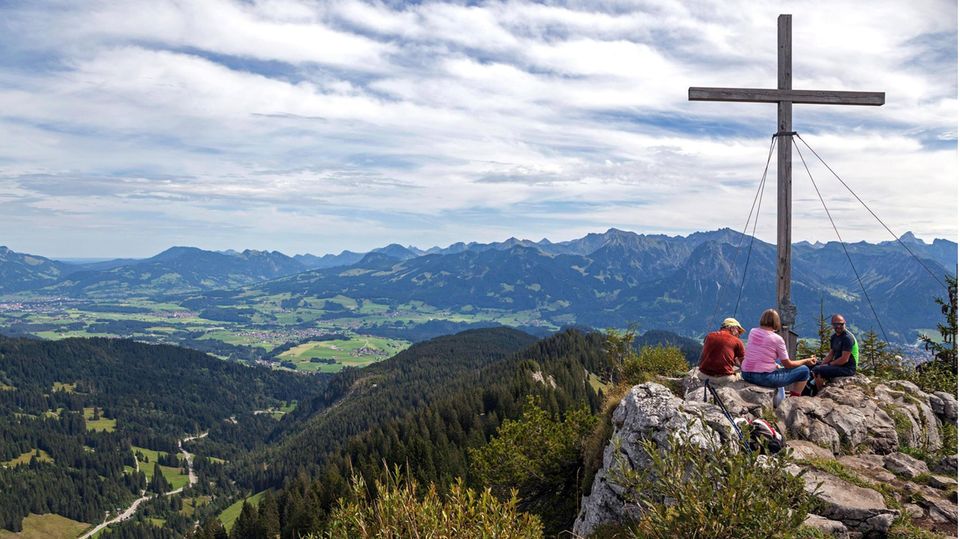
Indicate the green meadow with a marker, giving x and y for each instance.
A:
(45, 527)
(229, 515)
(27, 456)
(102, 424)
(333, 356)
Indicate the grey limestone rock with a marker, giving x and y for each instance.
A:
(648, 412)
(942, 482)
(944, 405)
(908, 401)
(832, 528)
(939, 509)
(805, 450)
(859, 509)
(904, 465)
(840, 419)
(913, 510)
(947, 465)
(870, 467)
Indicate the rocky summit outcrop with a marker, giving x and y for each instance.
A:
(648, 412)
(856, 444)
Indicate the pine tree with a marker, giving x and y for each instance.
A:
(940, 374)
(247, 525)
(876, 357)
(269, 515)
(945, 351)
(824, 330)
(159, 483)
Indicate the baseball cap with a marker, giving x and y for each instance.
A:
(731, 323)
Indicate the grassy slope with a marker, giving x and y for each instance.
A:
(230, 514)
(47, 526)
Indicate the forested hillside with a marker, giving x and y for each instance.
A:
(72, 413)
(422, 410)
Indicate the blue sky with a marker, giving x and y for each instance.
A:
(303, 126)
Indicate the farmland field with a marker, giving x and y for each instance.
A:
(46, 526)
(253, 326)
(334, 355)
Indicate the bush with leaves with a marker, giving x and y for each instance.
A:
(399, 512)
(653, 361)
(716, 492)
(635, 367)
(540, 457)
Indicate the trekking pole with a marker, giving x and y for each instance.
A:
(726, 413)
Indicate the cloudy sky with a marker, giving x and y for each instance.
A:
(127, 127)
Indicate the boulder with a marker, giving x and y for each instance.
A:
(849, 381)
(869, 467)
(859, 509)
(913, 510)
(742, 399)
(911, 407)
(848, 416)
(944, 405)
(648, 412)
(942, 482)
(904, 465)
(840, 418)
(940, 510)
(947, 465)
(831, 528)
(804, 450)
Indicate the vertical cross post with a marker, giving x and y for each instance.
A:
(785, 179)
(785, 96)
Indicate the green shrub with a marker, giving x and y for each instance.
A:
(807, 532)
(715, 493)
(653, 361)
(540, 458)
(948, 432)
(935, 376)
(400, 512)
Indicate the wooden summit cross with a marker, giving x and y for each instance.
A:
(785, 96)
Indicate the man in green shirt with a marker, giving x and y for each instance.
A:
(843, 356)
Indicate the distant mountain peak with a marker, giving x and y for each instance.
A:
(176, 252)
(909, 237)
(395, 250)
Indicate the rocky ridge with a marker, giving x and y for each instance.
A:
(853, 441)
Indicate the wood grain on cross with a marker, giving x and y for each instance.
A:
(785, 96)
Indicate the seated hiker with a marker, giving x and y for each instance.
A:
(843, 356)
(765, 349)
(722, 353)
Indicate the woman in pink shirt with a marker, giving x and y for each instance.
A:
(765, 349)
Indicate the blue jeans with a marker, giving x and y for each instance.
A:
(779, 377)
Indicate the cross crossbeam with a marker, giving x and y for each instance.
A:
(809, 97)
(785, 96)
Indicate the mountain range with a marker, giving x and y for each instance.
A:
(617, 278)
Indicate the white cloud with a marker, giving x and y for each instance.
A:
(347, 124)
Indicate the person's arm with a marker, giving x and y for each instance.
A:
(842, 360)
(785, 359)
(793, 363)
(739, 353)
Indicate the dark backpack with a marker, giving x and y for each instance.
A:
(764, 437)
